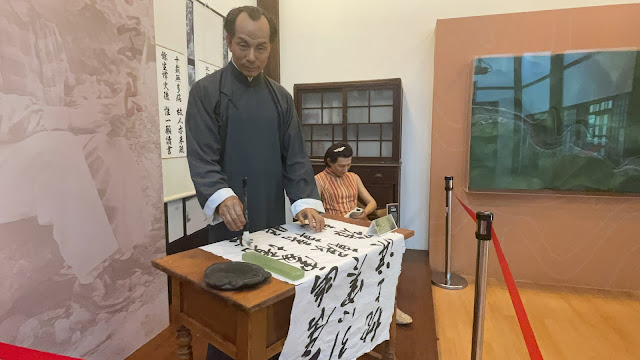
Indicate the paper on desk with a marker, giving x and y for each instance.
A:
(344, 304)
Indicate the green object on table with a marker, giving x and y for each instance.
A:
(277, 267)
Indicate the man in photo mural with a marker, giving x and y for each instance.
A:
(340, 190)
(57, 157)
(241, 124)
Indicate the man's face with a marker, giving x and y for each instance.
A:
(341, 166)
(250, 46)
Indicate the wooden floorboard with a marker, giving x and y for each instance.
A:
(414, 342)
(417, 341)
(568, 322)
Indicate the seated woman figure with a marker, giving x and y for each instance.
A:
(340, 189)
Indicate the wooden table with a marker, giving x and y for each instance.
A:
(246, 325)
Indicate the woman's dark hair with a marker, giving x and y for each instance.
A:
(255, 13)
(337, 150)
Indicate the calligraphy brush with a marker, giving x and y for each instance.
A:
(245, 233)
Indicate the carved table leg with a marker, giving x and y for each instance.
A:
(184, 343)
(390, 353)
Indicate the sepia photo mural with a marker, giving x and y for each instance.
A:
(81, 212)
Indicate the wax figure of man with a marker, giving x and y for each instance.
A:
(340, 189)
(242, 124)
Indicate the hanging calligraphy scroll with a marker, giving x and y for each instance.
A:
(173, 92)
(204, 69)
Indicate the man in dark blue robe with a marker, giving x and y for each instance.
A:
(242, 124)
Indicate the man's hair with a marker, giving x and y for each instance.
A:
(255, 13)
(337, 150)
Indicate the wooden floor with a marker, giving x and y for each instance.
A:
(417, 341)
(414, 342)
(569, 323)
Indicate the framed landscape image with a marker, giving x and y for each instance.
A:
(568, 121)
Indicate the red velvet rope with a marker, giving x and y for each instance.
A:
(521, 313)
(12, 352)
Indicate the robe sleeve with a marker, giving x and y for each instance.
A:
(203, 145)
(299, 181)
(21, 117)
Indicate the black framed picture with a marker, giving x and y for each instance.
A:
(393, 209)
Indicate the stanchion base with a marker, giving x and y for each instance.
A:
(456, 282)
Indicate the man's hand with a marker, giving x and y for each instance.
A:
(316, 222)
(89, 118)
(232, 213)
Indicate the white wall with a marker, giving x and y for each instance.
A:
(224, 6)
(338, 40)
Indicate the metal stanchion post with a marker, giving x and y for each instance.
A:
(483, 234)
(446, 279)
